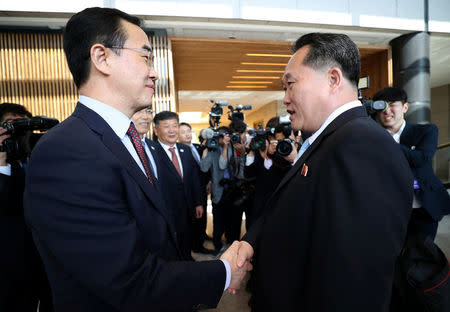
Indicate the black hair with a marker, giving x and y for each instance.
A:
(15, 109)
(164, 115)
(89, 27)
(185, 124)
(237, 125)
(273, 122)
(328, 50)
(391, 95)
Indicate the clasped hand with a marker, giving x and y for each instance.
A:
(238, 256)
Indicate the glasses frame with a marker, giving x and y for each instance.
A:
(148, 57)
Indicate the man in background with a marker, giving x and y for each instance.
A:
(23, 282)
(418, 143)
(179, 178)
(199, 225)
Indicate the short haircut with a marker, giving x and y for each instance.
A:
(273, 122)
(15, 109)
(185, 124)
(237, 125)
(164, 115)
(328, 50)
(89, 27)
(224, 129)
(391, 95)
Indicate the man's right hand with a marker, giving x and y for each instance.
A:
(226, 139)
(3, 154)
(238, 256)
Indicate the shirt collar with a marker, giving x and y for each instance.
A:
(166, 147)
(117, 120)
(338, 111)
(397, 135)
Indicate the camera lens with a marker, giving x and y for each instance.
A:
(284, 147)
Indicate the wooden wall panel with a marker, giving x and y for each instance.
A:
(34, 73)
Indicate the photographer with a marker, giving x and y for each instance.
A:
(418, 143)
(23, 282)
(215, 160)
(268, 167)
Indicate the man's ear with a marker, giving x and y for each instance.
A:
(100, 58)
(405, 107)
(155, 129)
(334, 78)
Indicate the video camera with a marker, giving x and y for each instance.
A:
(216, 112)
(372, 107)
(259, 137)
(22, 140)
(235, 113)
(212, 138)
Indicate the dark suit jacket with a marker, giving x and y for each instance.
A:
(334, 233)
(182, 195)
(419, 143)
(107, 240)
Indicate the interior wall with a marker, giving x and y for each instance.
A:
(440, 116)
(262, 115)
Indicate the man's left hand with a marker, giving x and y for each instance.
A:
(199, 211)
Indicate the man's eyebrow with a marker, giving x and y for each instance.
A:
(146, 47)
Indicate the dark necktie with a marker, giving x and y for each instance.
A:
(137, 143)
(175, 161)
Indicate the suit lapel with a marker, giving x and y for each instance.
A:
(115, 145)
(335, 124)
(165, 160)
(183, 150)
(406, 134)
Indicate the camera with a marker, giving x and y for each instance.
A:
(235, 113)
(259, 137)
(372, 107)
(22, 140)
(216, 112)
(235, 138)
(212, 138)
(284, 147)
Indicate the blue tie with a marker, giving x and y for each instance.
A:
(303, 148)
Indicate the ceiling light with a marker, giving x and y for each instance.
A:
(269, 55)
(255, 77)
(247, 87)
(255, 82)
(258, 71)
(264, 64)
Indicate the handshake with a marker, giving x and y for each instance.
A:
(238, 256)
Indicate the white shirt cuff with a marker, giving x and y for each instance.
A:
(267, 163)
(6, 170)
(250, 159)
(228, 269)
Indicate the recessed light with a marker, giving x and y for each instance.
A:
(258, 71)
(268, 55)
(255, 82)
(264, 64)
(255, 77)
(247, 87)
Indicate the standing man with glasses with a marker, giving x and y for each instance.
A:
(96, 213)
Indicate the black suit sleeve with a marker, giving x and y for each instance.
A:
(79, 210)
(424, 149)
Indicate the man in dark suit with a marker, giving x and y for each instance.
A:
(418, 143)
(23, 283)
(339, 216)
(107, 239)
(199, 226)
(179, 178)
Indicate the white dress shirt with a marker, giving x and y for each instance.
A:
(338, 111)
(169, 153)
(6, 170)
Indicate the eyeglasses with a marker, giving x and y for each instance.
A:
(148, 53)
(148, 110)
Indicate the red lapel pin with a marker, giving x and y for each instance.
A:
(304, 170)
